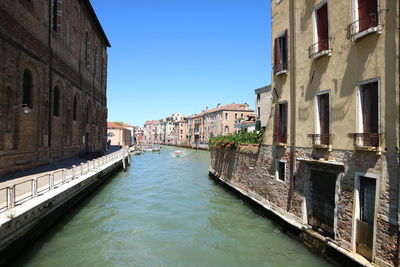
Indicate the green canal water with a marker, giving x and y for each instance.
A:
(165, 211)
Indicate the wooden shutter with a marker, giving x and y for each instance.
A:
(370, 107)
(372, 9)
(276, 55)
(276, 122)
(362, 15)
(284, 50)
(322, 28)
(283, 119)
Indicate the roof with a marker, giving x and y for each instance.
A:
(151, 122)
(231, 107)
(264, 89)
(113, 125)
(128, 125)
(96, 21)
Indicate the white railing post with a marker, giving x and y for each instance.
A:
(51, 181)
(81, 168)
(73, 172)
(11, 196)
(64, 176)
(34, 187)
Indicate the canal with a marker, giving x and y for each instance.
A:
(165, 211)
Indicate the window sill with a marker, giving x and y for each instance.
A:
(281, 72)
(322, 53)
(377, 29)
(280, 144)
(378, 149)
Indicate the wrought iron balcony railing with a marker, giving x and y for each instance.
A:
(321, 140)
(371, 140)
(280, 139)
(323, 47)
(371, 20)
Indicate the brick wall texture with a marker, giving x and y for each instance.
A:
(71, 58)
(253, 169)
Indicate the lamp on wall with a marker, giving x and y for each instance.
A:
(25, 108)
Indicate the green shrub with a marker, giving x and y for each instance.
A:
(235, 140)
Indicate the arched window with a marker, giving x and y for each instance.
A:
(56, 101)
(75, 109)
(8, 110)
(96, 62)
(27, 89)
(87, 49)
(88, 113)
(57, 15)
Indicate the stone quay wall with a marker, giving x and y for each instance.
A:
(252, 171)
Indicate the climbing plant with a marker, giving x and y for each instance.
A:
(235, 140)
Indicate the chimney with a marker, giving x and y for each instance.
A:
(219, 104)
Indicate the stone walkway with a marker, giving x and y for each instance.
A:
(22, 180)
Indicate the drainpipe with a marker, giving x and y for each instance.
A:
(50, 76)
(292, 73)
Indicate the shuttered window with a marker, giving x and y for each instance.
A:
(322, 28)
(369, 102)
(57, 15)
(280, 122)
(280, 53)
(367, 14)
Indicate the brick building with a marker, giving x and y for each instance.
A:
(53, 58)
(331, 145)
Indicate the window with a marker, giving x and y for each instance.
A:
(258, 111)
(323, 114)
(8, 110)
(57, 15)
(88, 112)
(235, 116)
(280, 170)
(321, 34)
(96, 62)
(226, 116)
(281, 54)
(87, 49)
(367, 11)
(27, 89)
(56, 101)
(258, 97)
(280, 125)
(370, 113)
(75, 109)
(241, 115)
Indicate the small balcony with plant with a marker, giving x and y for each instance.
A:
(367, 141)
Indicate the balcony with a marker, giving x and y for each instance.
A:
(367, 142)
(323, 141)
(280, 140)
(281, 67)
(369, 24)
(321, 48)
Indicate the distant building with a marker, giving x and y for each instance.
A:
(53, 69)
(152, 132)
(119, 134)
(263, 105)
(246, 125)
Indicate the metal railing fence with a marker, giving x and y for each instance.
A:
(18, 193)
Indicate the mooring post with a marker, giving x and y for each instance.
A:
(51, 181)
(64, 175)
(81, 168)
(123, 162)
(73, 172)
(11, 196)
(34, 189)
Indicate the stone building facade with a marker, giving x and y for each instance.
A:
(53, 76)
(331, 149)
(263, 106)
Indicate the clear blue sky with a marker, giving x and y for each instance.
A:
(183, 55)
